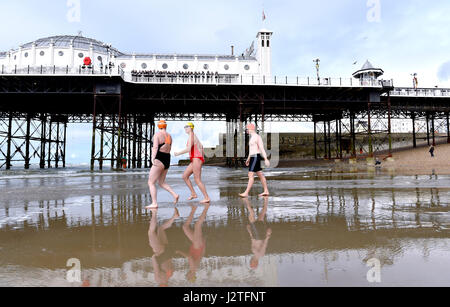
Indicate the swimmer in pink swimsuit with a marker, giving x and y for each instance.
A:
(198, 246)
(196, 155)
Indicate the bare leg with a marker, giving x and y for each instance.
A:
(262, 215)
(251, 213)
(197, 164)
(251, 180)
(186, 226)
(155, 173)
(153, 237)
(166, 225)
(165, 186)
(264, 184)
(198, 235)
(187, 173)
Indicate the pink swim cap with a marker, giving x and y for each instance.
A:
(251, 127)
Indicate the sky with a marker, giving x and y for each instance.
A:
(401, 37)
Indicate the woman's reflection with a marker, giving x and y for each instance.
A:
(163, 251)
(197, 248)
(258, 231)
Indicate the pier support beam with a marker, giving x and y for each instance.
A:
(9, 141)
(94, 127)
(389, 126)
(352, 134)
(27, 142)
(433, 130)
(448, 127)
(43, 119)
(369, 129)
(315, 140)
(413, 118)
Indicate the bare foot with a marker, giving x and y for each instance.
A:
(176, 214)
(192, 197)
(177, 198)
(152, 206)
(243, 195)
(206, 201)
(264, 194)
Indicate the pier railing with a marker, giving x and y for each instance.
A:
(171, 78)
(257, 80)
(60, 70)
(420, 92)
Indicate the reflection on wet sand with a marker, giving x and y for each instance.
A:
(258, 231)
(162, 248)
(319, 228)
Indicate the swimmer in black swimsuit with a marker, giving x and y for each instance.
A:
(163, 157)
(162, 144)
(163, 248)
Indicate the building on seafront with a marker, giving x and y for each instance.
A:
(75, 54)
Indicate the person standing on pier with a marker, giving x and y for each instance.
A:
(256, 150)
(196, 155)
(162, 144)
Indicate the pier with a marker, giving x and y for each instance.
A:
(52, 82)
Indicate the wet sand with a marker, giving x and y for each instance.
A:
(408, 161)
(324, 228)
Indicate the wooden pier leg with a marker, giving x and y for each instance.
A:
(428, 129)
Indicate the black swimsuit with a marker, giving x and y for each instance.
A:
(163, 157)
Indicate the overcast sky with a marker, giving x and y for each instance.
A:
(401, 37)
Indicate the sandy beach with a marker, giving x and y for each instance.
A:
(406, 161)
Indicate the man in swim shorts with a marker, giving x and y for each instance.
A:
(256, 153)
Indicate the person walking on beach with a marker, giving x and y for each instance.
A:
(198, 246)
(432, 151)
(258, 231)
(196, 155)
(256, 150)
(162, 144)
(163, 250)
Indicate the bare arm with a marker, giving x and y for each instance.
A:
(261, 148)
(155, 147)
(188, 147)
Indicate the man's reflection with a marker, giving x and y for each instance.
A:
(163, 251)
(258, 231)
(198, 242)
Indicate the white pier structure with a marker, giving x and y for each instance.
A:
(78, 55)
